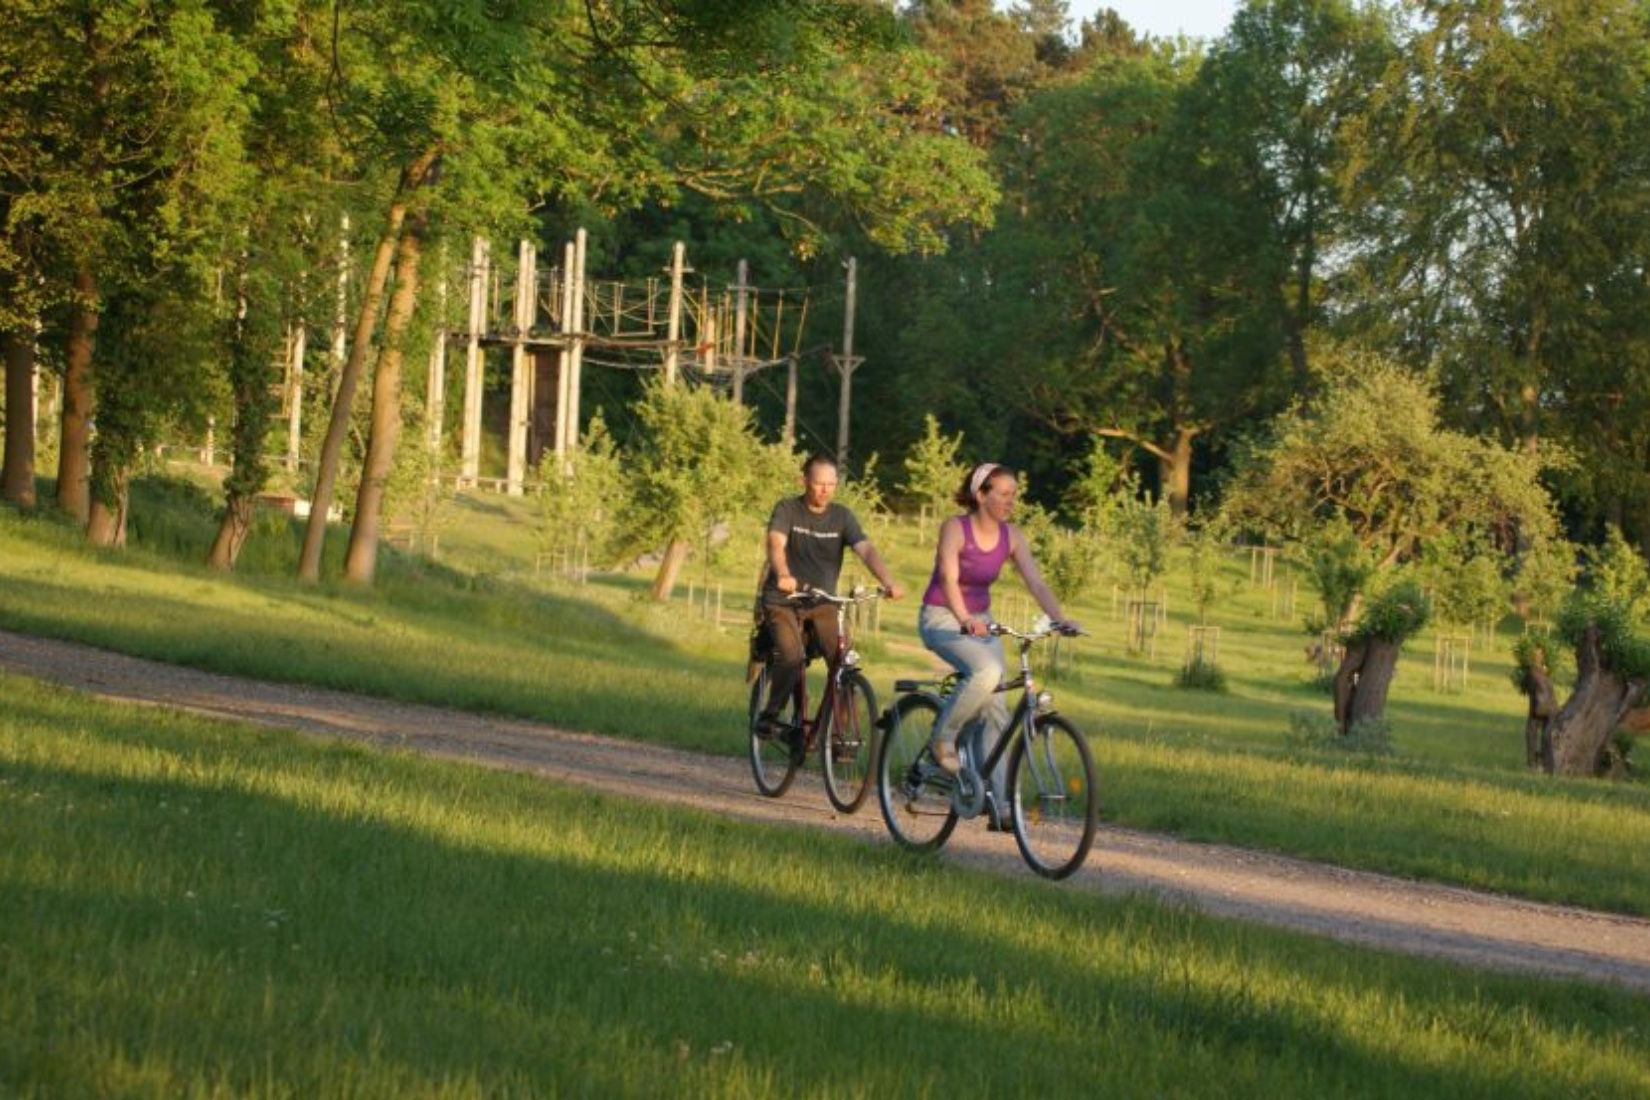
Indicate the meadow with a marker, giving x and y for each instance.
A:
(202, 909)
(199, 908)
(482, 625)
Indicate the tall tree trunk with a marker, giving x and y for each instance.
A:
(332, 446)
(1363, 680)
(253, 378)
(664, 582)
(106, 520)
(74, 455)
(361, 560)
(1174, 468)
(232, 532)
(17, 478)
(1578, 734)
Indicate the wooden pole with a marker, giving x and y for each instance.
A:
(846, 364)
(673, 329)
(741, 296)
(470, 442)
(788, 433)
(295, 394)
(521, 392)
(580, 241)
(564, 354)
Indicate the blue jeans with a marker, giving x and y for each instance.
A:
(982, 664)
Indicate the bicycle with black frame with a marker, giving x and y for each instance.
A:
(842, 728)
(1053, 788)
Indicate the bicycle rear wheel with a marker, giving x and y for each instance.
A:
(1056, 794)
(772, 765)
(915, 796)
(848, 743)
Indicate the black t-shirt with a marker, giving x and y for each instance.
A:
(814, 543)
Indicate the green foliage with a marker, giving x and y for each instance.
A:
(1624, 646)
(862, 495)
(1617, 573)
(1093, 494)
(580, 501)
(1205, 552)
(1140, 533)
(932, 472)
(700, 463)
(1532, 653)
(1466, 579)
(1368, 456)
(1199, 674)
(1395, 614)
(1071, 561)
(1545, 575)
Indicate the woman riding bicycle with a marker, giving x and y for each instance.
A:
(955, 621)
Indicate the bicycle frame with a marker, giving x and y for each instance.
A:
(836, 663)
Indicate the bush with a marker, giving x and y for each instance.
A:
(1200, 675)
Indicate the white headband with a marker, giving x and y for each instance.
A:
(982, 473)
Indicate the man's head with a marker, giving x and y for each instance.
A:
(819, 477)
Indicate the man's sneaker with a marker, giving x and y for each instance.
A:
(945, 757)
(798, 741)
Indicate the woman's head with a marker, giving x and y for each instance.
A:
(987, 481)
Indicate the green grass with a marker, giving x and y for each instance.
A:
(192, 908)
(479, 630)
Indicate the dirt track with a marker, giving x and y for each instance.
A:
(1394, 914)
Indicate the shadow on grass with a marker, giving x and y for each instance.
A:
(398, 927)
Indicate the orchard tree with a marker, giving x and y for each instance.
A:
(1606, 624)
(1369, 454)
(700, 463)
(1373, 646)
(932, 470)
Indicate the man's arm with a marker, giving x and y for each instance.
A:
(879, 568)
(778, 563)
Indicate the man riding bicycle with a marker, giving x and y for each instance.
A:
(807, 537)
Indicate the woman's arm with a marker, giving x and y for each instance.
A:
(1019, 551)
(948, 565)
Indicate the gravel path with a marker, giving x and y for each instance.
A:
(1468, 927)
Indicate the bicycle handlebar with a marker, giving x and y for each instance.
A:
(1068, 630)
(857, 594)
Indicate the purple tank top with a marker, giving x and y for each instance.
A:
(976, 570)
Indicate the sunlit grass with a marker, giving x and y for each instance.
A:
(1454, 803)
(200, 908)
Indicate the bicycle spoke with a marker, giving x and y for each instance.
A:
(915, 797)
(1056, 797)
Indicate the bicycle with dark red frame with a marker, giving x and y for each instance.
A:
(842, 729)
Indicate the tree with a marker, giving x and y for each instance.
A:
(1604, 622)
(932, 472)
(1612, 662)
(1369, 453)
(581, 500)
(1371, 658)
(700, 464)
(1500, 176)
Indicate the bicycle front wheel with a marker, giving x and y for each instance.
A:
(772, 765)
(915, 796)
(1056, 794)
(849, 743)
